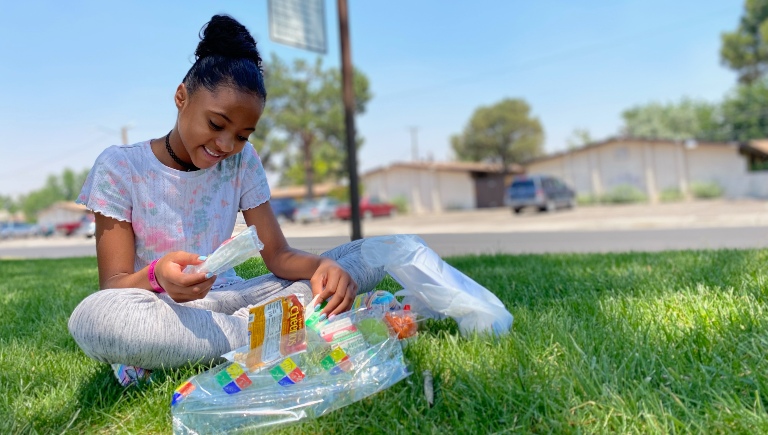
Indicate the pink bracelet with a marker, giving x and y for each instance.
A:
(156, 287)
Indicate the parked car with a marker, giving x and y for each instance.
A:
(283, 208)
(318, 210)
(88, 227)
(545, 192)
(370, 207)
(17, 230)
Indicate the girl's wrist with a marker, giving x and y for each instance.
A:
(152, 276)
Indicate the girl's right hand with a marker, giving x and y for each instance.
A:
(180, 286)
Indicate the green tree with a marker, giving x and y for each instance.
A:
(578, 138)
(745, 50)
(687, 119)
(306, 116)
(8, 204)
(504, 132)
(64, 187)
(267, 142)
(745, 112)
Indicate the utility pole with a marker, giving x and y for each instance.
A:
(349, 118)
(124, 133)
(414, 143)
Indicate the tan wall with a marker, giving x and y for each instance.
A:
(652, 167)
(712, 163)
(425, 191)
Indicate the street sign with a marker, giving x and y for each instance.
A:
(298, 23)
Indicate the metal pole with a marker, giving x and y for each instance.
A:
(349, 118)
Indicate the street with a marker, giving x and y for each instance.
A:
(619, 228)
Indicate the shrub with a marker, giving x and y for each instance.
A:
(624, 194)
(401, 203)
(671, 194)
(587, 200)
(706, 190)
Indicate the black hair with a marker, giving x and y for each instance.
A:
(226, 55)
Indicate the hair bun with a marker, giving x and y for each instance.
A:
(225, 36)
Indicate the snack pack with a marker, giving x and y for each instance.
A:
(296, 371)
(231, 253)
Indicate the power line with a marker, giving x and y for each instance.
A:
(554, 56)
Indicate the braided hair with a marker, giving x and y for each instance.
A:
(226, 55)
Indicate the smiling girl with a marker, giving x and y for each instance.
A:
(166, 203)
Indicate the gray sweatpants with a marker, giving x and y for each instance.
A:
(149, 330)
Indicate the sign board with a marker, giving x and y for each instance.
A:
(298, 23)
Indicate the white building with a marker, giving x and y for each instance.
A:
(62, 212)
(430, 187)
(653, 166)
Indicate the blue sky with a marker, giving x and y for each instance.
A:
(73, 73)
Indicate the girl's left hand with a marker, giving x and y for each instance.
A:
(334, 285)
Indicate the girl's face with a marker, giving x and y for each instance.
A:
(214, 125)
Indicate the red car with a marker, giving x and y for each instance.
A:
(369, 208)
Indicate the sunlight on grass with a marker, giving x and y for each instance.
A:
(627, 343)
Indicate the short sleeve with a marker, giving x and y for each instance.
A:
(255, 187)
(107, 189)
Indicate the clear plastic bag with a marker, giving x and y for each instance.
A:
(434, 288)
(231, 253)
(342, 361)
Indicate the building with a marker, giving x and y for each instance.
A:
(655, 166)
(300, 192)
(430, 187)
(62, 213)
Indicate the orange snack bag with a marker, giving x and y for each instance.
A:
(276, 330)
(402, 322)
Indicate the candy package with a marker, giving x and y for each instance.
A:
(231, 253)
(297, 371)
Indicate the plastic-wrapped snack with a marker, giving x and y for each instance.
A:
(343, 360)
(275, 330)
(231, 253)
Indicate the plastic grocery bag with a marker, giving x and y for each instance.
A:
(434, 288)
(231, 253)
(305, 367)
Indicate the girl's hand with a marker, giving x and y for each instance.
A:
(335, 285)
(180, 286)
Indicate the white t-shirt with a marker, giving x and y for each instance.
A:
(172, 210)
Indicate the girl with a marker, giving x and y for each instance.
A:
(163, 204)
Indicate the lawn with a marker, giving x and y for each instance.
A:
(670, 342)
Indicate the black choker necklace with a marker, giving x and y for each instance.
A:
(187, 166)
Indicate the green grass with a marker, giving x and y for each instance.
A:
(669, 342)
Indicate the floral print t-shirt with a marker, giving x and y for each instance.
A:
(172, 210)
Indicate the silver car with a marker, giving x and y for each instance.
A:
(543, 192)
(318, 210)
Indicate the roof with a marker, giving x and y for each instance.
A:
(67, 205)
(757, 146)
(446, 167)
(621, 139)
(301, 191)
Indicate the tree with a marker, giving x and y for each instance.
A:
(65, 187)
(504, 132)
(267, 144)
(578, 138)
(745, 50)
(8, 204)
(688, 119)
(745, 112)
(305, 112)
